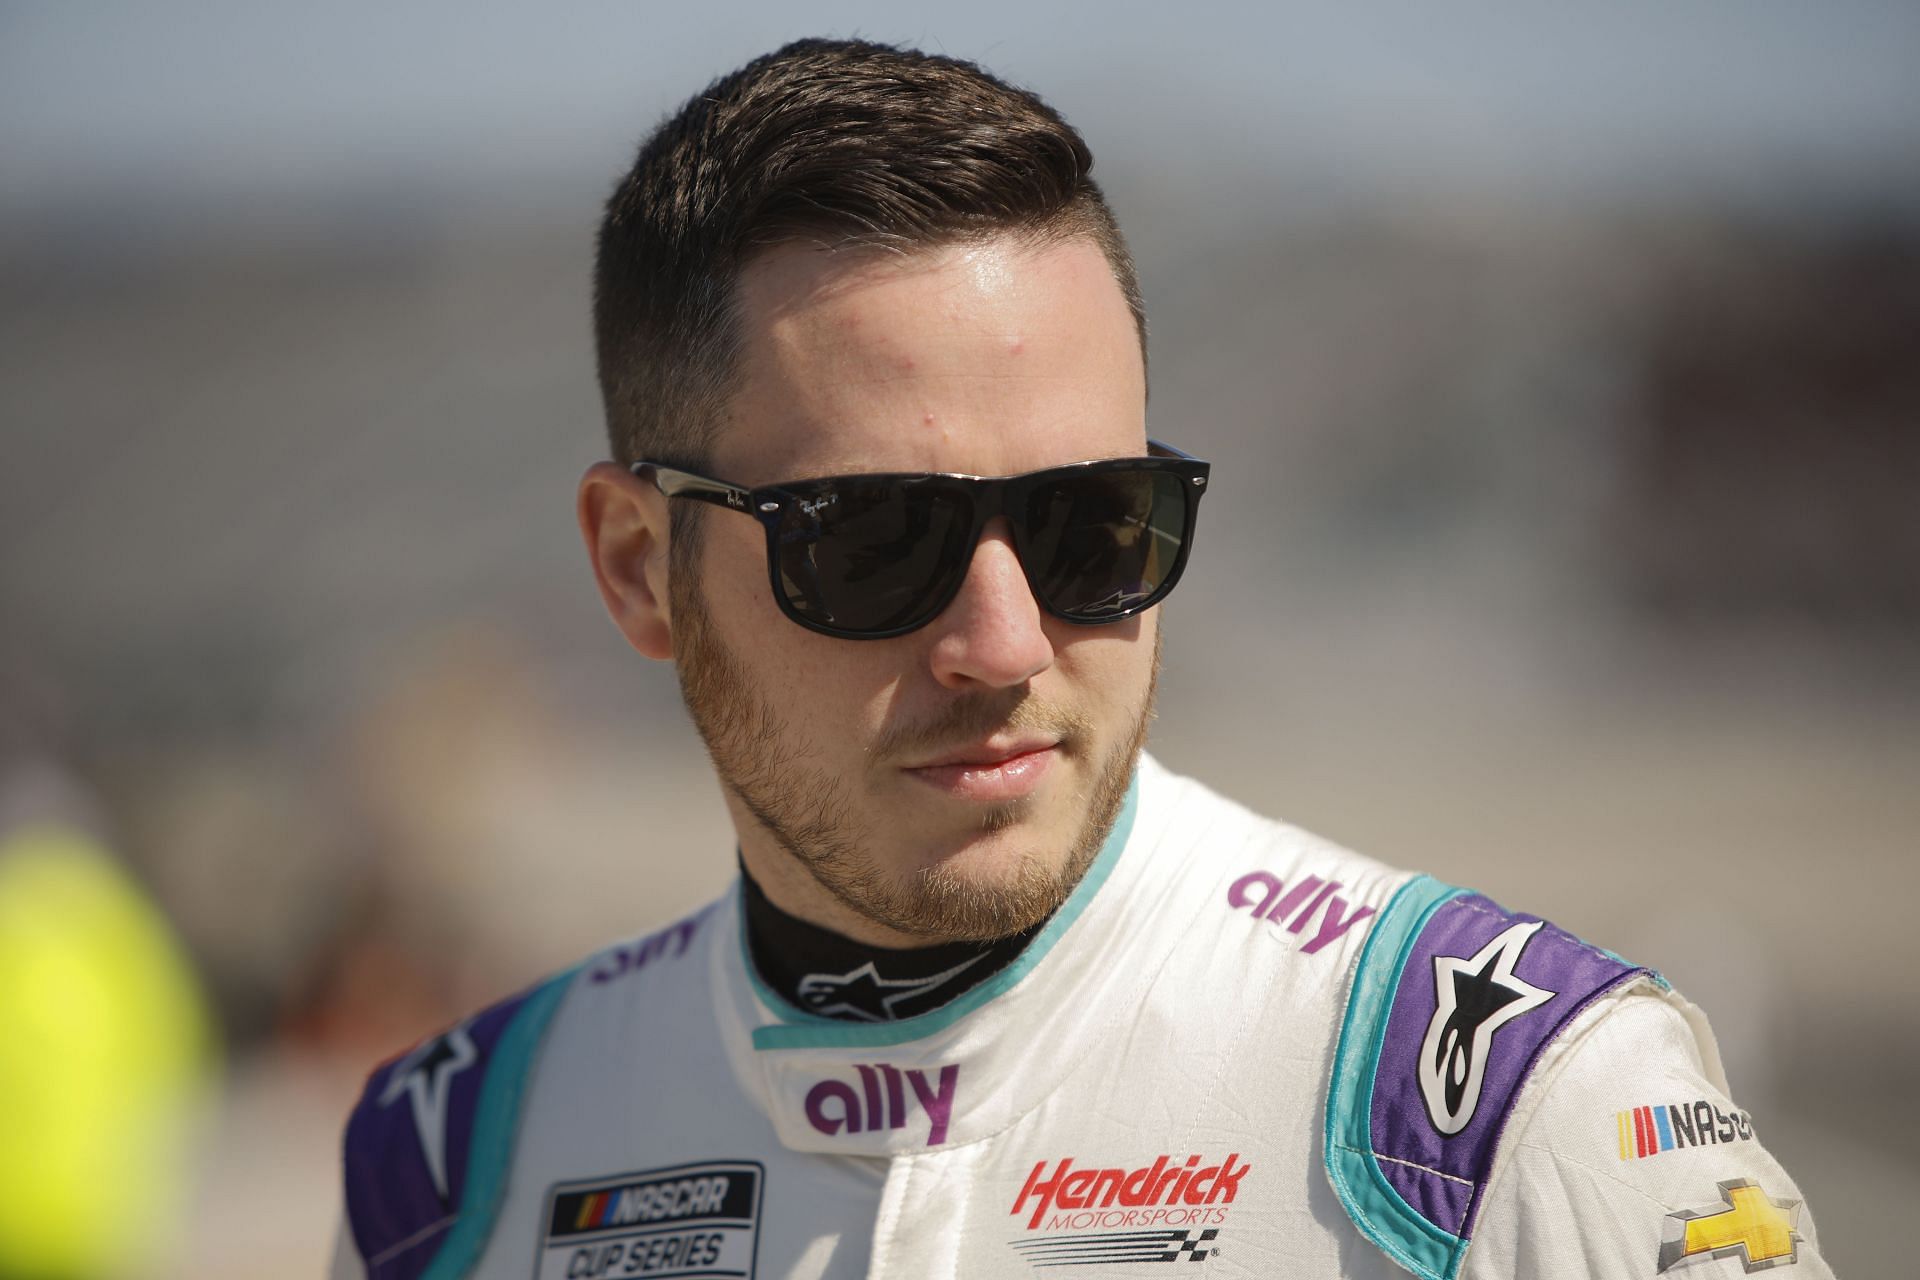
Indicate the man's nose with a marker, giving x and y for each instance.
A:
(991, 635)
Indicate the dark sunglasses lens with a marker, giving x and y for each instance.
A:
(868, 557)
(1104, 544)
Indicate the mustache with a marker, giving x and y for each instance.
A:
(972, 718)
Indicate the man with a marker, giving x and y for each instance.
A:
(994, 992)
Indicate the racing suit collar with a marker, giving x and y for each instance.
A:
(969, 1069)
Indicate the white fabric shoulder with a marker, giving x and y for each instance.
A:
(1627, 1157)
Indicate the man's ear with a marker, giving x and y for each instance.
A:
(624, 521)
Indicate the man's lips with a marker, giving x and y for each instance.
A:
(993, 751)
(992, 772)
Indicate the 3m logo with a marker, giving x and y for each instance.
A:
(688, 1221)
(1118, 1247)
(881, 1101)
(1295, 908)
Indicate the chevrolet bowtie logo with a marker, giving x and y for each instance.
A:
(1754, 1226)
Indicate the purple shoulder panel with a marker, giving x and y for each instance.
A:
(408, 1142)
(1481, 994)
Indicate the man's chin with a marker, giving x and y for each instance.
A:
(977, 886)
(980, 844)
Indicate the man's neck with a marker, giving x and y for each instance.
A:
(830, 974)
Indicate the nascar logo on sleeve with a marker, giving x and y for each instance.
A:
(1649, 1131)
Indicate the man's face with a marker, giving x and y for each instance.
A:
(954, 782)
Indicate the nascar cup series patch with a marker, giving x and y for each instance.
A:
(682, 1223)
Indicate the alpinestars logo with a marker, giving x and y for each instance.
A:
(1473, 998)
(1167, 1211)
(865, 995)
(426, 1077)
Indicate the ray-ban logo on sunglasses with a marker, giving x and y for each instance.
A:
(738, 501)
(815, 507)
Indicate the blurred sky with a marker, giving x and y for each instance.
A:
(208, 111)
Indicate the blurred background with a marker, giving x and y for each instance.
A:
(1561, 372)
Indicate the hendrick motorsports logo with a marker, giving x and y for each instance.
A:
(694, 1220)
(1167, 1211)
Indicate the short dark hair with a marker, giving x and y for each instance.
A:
(841, 141)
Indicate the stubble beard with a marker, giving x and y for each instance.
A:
(810, 812)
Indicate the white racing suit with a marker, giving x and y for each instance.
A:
(1237, 1050)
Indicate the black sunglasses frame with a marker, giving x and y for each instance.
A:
(987, 497)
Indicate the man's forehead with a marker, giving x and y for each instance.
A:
(941, 358)
(798, 275)
(804, 274)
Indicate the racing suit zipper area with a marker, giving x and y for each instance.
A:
(922, 1207)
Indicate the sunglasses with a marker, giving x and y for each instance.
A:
(865, 557)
